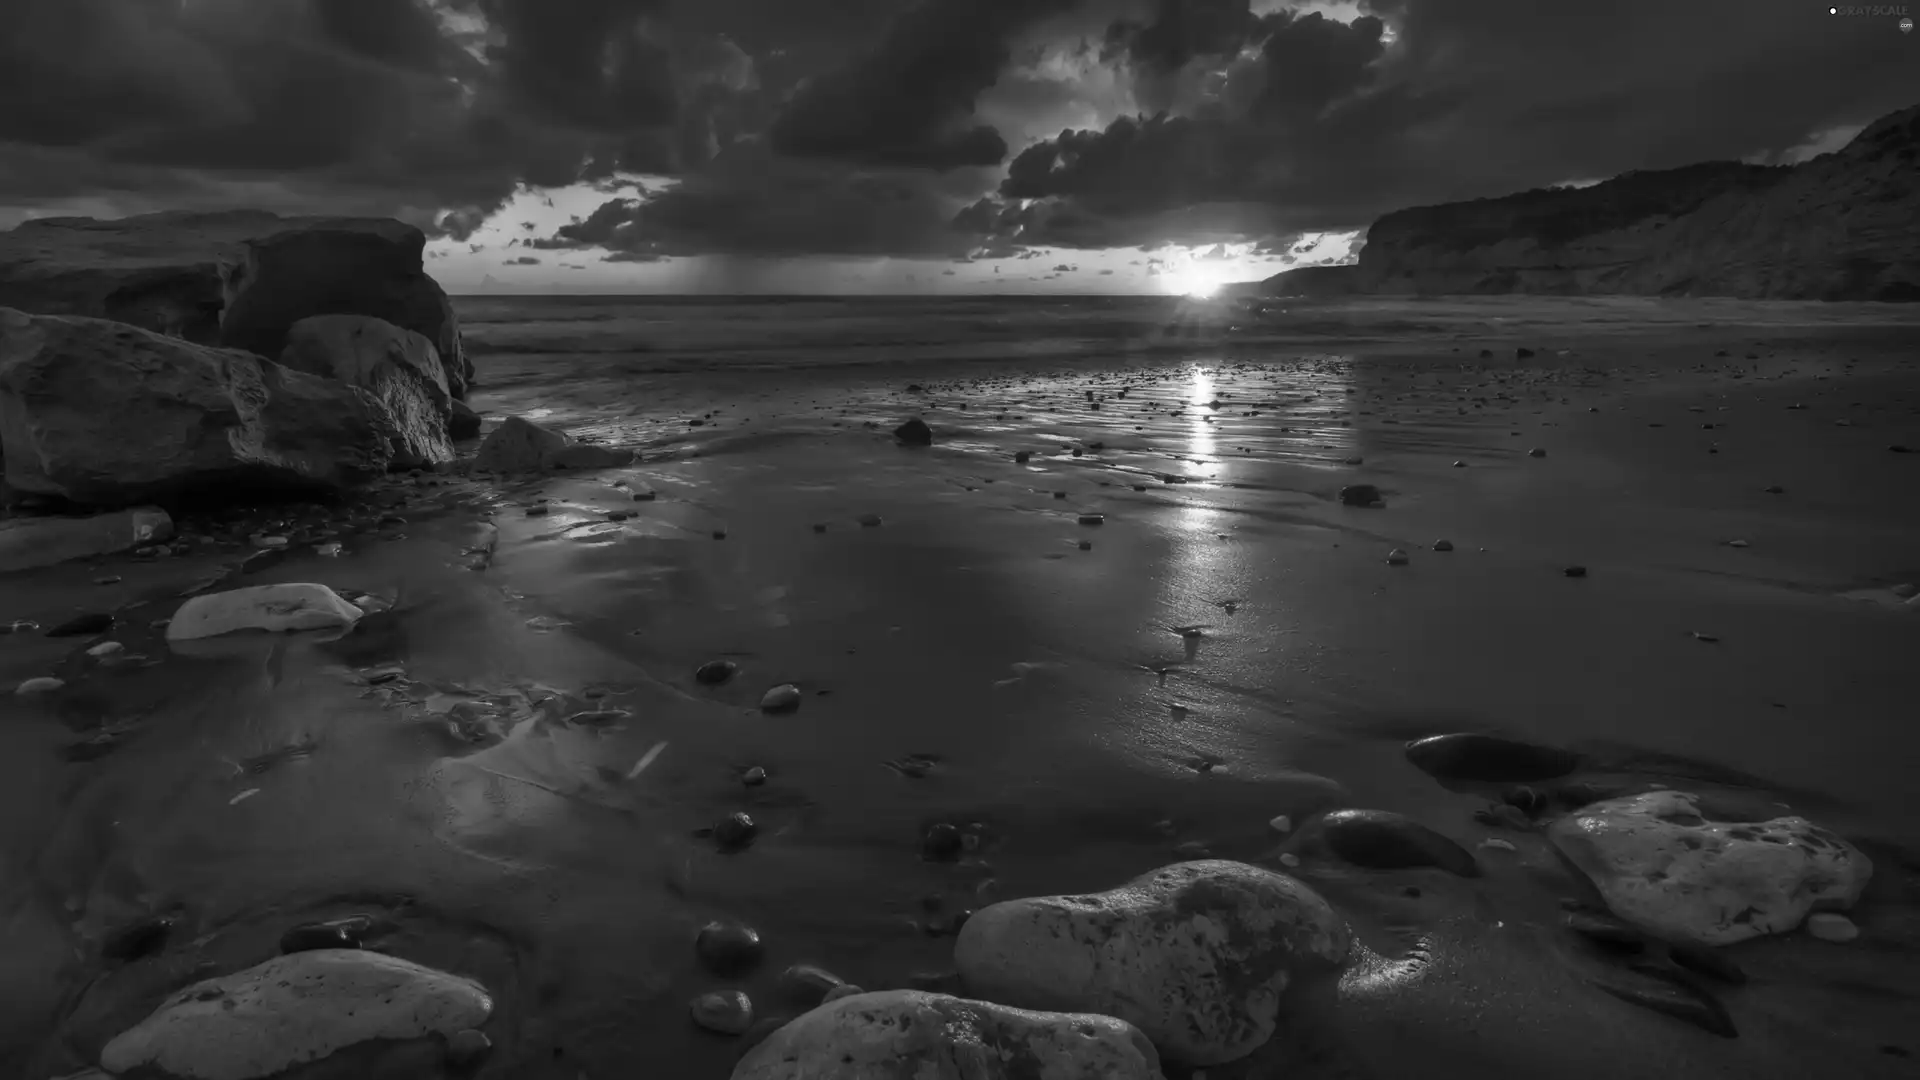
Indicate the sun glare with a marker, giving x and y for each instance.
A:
(1196, 281)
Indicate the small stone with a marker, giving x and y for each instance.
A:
(537, 510)
(719, 534)
(1775, 489)
(468, 1046)
(45, 684)
(1498, 844)
(1737, 543)
(715, 672)
(754, 776)
(329, 550)
(1361, 495)
(94, 622)
(735, 831)
(869, 521)
(728, 1012)
(1459, 464)
(808, 984)
(1289, 859)
(914, 432)
(1831, 926)
(1022, 457)
(108, 579)
(1397, 557)
(1085, 545)
(1383, 840)
(1443, 545)
(942, 842)
(1529, 801)
(268, 543)
(1536, 452)
(1575, 571)
(1092, 519)
(728, 948)
(1281, 824)
(782, 698)
(106, 649)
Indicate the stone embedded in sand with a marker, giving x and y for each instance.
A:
(728, 1012)
(397, 366)
(914, 432)
(1383, 840)
(105, 413)
(1021, 457)
(1831, 926)
(1397, 557)
(1361, 495)
(1196, 954)
(276, 608)
(1443, 545)
(1489, 758)
(518, 446)
(1092, 519)
(782, 698)
(28, 543)
(714, 672)
(44, 684)
(292, 1010)
(808, 984)
(1536, 452)
(735, 831)
(901, 1034)
(1662, 866)
(727, 947)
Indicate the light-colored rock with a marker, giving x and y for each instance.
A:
(1663, 867)
(44, 684)
(179, 273)
(296, 1009)
(399, 367)
(781, 698)
(105, 413)
(913, 1035)
(518, 445)
(1195, 954)
(1832, 926)
(284, 607)
(27, 543)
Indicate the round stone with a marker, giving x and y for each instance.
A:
(469, 1044)
(1443, 545)
(782, 698)
(715, 672)
(1831, 926)
(728, 1012)
(754, 776)
(735, 831)
(728, 947)
(1397, 557)
(942, 841)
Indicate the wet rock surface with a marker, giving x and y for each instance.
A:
(1196, 955)
(1383, 840)
(1489, 758)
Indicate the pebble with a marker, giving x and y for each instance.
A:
(719, 534)
(1022, 457)
(1085, 545)
(754, 776)
(1498, 844)
(808, 984)
(1536, 452)
(1831, 926)
(1575, 571)
(1443, 545)
(539, 510)
(727, 947)
(1397, 557)
(728, 1012)
(1092, 519)
(106, 649)
(782, 698)
(735, 831)
(45, 684)
(914, 432)
(1360, 495)
(819, 526)
(942, 842)
(1776, 489)
(715, 672)
(468, 1045)
(1459, 464)
(109, 579)
(331, 550)
(1289, 859)
(268, 542)
(1281, 824)
(869, 521)
(1737, 543)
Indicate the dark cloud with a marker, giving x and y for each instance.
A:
(909, 100)
(1333, 124)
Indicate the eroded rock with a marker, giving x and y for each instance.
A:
(1662, 866)
(399, 367)
(283, 607)
(913, 1035)
(1196, 954)
(295, 1009)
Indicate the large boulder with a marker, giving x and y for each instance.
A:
(339, 266)
(1662, 866)
(176, 273)
(27, 543)
(101, 412)
(399, 367)
(912, 1035)
(1196, 954)
(292, 1010)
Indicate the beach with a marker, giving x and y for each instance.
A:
(1157, 633)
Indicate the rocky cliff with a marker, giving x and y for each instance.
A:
(1843, 226)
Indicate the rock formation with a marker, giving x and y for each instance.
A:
(239, 278)
(399, 367)
(105, 413)
(1838, 227)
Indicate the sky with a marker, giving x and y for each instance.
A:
(892, 146)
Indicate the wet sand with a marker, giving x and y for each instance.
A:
(1232, 646)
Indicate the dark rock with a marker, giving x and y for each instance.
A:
(1022, 457)
(399, 367)
(914, 432)
(942, 842)
(806, 984)
(519, 446)
(1383, 840)
(138, 940)
(462, 421)
(1529, 801)
(1671, 993)
(93, 622)
(728, 1012)
(1503, 816)
(1575, 571)
(728, 948)
(735, 831)
(715, 672)
(1489, 758)
(1361, 495)
(1523, 352)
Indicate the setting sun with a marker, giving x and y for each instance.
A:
(1195, 280)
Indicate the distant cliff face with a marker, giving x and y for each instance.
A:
(1844, 226)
